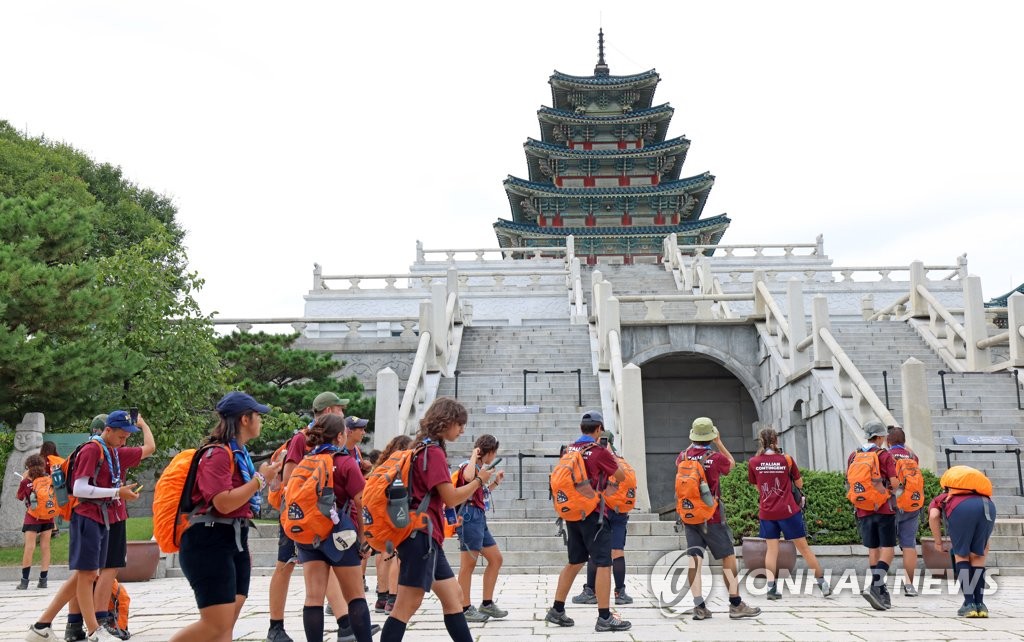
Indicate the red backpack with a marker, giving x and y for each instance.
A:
(572, 493)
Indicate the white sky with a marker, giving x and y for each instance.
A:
(289, 133)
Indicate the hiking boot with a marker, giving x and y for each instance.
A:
(493, 610)
(74, 632)
(980, 610)
(968, 610)
(40, 635)
(379, 605)
(887, 599)
(612, 623)
(23, 584)
(701, 612)
(874, 598)
(42, 583)
(473, 615)
(742, 610)
(585, 597)
(773, 593)
(278, 634)
(561, 619)
(826, 589)
(348, 635)
(621, 597)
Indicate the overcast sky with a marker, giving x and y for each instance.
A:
(340, 133)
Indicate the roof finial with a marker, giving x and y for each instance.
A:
(602, 68)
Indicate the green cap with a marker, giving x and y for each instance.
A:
(99, 422)
(325, 400)
(703, 429)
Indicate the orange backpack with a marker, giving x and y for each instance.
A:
(275, 489)
(867, 489)
(309, 498)
(571, 491)
(388, 519)
(172, 496)
(964, 480)
(42, 503)
(620, 496)
(692, 508)
(118, 606)
(908, 472)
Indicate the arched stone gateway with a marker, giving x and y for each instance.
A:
(690, 371)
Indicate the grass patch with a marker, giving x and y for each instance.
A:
(137, 528)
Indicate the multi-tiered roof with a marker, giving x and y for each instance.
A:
(605, 172)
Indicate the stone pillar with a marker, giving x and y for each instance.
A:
(917, 418)
(974, 325)
(1015, 319)
(601, 293)
(438, 327)
(632, 439)
(426, 319)
(385, 420)
(760, 307)
(797, 322)
(28, 438)
(318, 273)
(917, 305)
(570, 248)
(819, 320)
(420, 257)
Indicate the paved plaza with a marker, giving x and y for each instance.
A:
(160, 607)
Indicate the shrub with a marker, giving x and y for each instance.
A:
(829, 516)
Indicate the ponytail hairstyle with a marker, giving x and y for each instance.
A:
(227, 428)
(325, 430)
(401, 442)
(487, 444)
(439, 417)
(769, 439)
(36, 466)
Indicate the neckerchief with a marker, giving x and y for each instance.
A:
(244, 462)
(113, 462)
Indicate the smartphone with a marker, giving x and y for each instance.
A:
(138, 489)
(604, 441)
(493, 464)
(134, 413)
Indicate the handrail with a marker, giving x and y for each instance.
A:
(415, 384)
(997, 339)
(890, 309)
(769, 300)
(941, 310)
(857, 378)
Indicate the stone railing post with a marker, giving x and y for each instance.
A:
(1015, 319)
(707, 285)
(632, 435)
(797, 322)
(760, 305)
(974, 324)
(867, 306)
(318, 273)
(819, 320)
(426, 325)
(385, 420)
(420, 256)
(601, 293)
(570, 248)
(609, 323)
(819, 245)
(917, 418)
(917, 304)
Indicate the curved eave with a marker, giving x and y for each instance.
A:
(715, 225)
(563, 84)
(689, 185)
(1002, 301)
(660, 115)
(537, 149)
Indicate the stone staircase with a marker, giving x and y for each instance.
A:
(640, 279)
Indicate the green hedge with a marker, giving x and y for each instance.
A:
(829, 515)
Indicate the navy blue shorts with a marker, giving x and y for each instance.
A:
(37, 528)
(474, 534)
(877, 530)
(590, 539)
(792, 527)
(286, 552)
(906, 529)
(970, 527)
(87, 548)
(422, 563)
(348, 557)
(618, 521)
(213, 565)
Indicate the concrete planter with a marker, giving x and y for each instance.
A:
(940, 564)
(143, 558)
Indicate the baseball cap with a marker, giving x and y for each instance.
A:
(121, 420)
(703, 429)
(875, 428)
(98, 423)
(325, 400)
(592, 418)
(353, 422)
(238, 403)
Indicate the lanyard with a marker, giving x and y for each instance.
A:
(113, 461)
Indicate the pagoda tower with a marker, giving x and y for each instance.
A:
(605, 172)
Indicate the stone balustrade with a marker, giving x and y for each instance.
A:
(485, 254)
(354, 327)
(371, 283)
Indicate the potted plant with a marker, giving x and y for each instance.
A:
(143, 553)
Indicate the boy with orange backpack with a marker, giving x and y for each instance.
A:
(698, 471)
(871, 479)
(36, 490)
(909, 503)
(577, 483)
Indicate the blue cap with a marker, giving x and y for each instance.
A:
(592, 418)
(238, 403)
(121, 420)
(353, 423)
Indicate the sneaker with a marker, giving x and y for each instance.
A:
(348, 635)
(561, 619)
(910, 591)
(887, 600)
(493, 610)
(380, 605)
(74, 632)
(874, 598)
(621, 597)
(278, 634)
(612, 623)
(773, 593)
(980, 610)
(701, 612)
(328, 610)
(826, 589)
(39, 635)
(101, 635)
(110, 624)
(742, 610)
(473, 615)
(585, 597)
(42, 583)
(968, 610)
(23, 584)
(390, 605)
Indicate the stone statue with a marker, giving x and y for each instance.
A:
(28, 438)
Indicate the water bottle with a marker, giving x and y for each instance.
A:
(33, 501)
(60, 487)
(705, 494)
(398, 503)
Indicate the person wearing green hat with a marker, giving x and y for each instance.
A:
(707, 448)
(98, 423)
